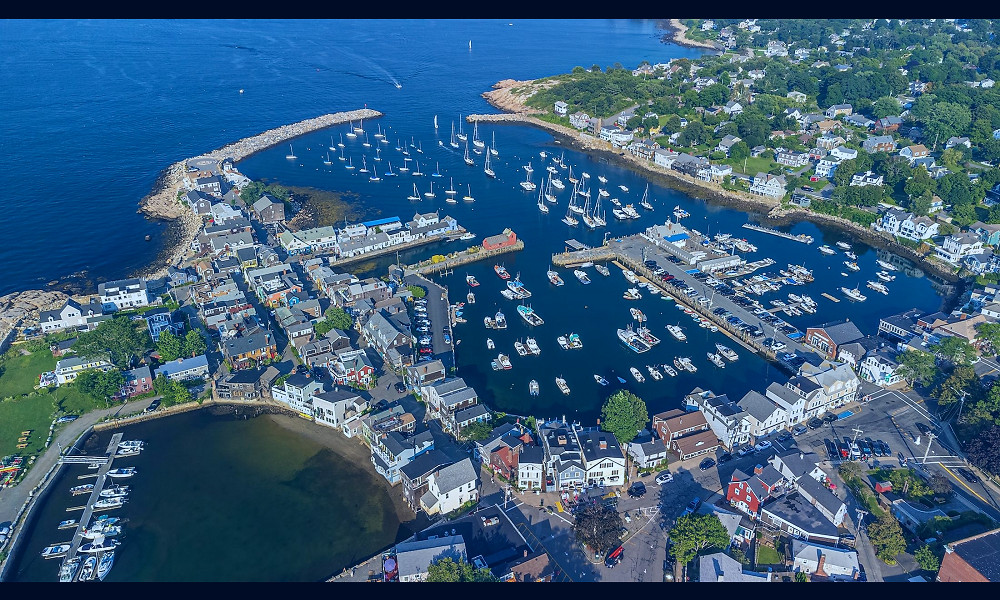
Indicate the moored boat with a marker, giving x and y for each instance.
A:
(603, 270)
(600, 379)
(55, 550)
(878, 287)
(105, 563)
(81, 489)
(632, 294)
(854, 294)
(529, 315)
(716, 360)
(677, 332)
(554, 277)
(532, 345)
(533, 387)
(827, 250)
(669, 370)
(122, 473)
(89, 566)
(504, 361)
(68, 570)
(636, 374)
(501, 271)
(727, 352)
(499, 321)
(582, 276)
(654, 372)
(561, 384)
(471, 280)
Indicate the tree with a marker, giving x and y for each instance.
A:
(633, 122)
(885, 107)
(955, 349)
(989, 332)
(983, 450)
(940, 485)
(624, 414)
(100, 385)
(887, 538)
(339, 317)
(417, 291)
(447, 570)
(917, 366)
(480, 430)
(693, 533)
(739, 150)
(921, 205)
(598, 527)
(926, 559)
(169, 346)
(173, 392)
(118, 338)
(962, 378)
(194, 343)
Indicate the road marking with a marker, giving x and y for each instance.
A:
(964, 484)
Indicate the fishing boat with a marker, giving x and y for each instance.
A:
(520, 348)
(470, 298)
(637, 314)
(600, 379)
(561, 384)
(105, 563)
(843, 245)
(291, 153)
(669, 370)
(81, 489)
(504, 361)
(529, 315)
(630, 275)
(582, 276)
(827, 250)
(635, 373)
(852, 265)
(68, 569)
(885, 276)
(632, 294)
(468, 235)
(654, 372)
(122, 473)
(471, 280)
(645, 199)
(633, 340)
(499, 321)
(854, 294)
(415, 195)
(518, 288)
(716, 360)
(527, 184)
(501, 271)
(885, 265)
(687, 364)
(55, 550)
(563, 342)
(727, 352)
(489, 342)
(603, 270)
(532, 345)
(677, 332)
(533, 387)
(468, 159)
(554, 277)
(574, 341)
(878, 287)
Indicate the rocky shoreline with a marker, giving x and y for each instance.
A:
(769, 209)
(676, 34)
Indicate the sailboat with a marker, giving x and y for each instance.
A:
(351, 133)
(435, 121)
(461, 135)
(478, 143)
(451, 190)
(569, 219)
(340, 144)
(366, 143)
(453, 143)
(350, 165)
(572, 179)
(431, 193)
(587, 219)
(341, 157)
(437, 171)
(327, 161)
(417, 172)
(541, 205)
(415, 195)
(359, 128)
(374, 177)
(527, 168)
(364, 165)
(379, 135)
(420, 147)
(548, 191)
(404, 168)
(527, 184)
(291, 153)
(469, 198)
(332, 146)
(489, 172)
(493, 148)
(468, 160)
(645, 199)
(598, 216)
(378, 154)
(389, 173)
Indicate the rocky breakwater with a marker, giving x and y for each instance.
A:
(164, 202)
(22, 307)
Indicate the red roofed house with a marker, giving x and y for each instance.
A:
(748, 492)
(503, 460)
(507, 238)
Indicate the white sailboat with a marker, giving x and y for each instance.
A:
(493, 148)
(327, 160)
(468, 159)
(415, 195)
(389, 173)
(453, 143)
(451, 190)
(350, 132)
(291, 153)
(366, 143)
(359, 128)
(645, 199)
(350, 164)
(437, 170)
(548, 191)
(468, 197)
(364, 165)
(598, 215)
(461, 135)
(431, 193)
(489, 171)
(340, 144)
(332, 146)
(341, 157)
(435, 121)
(572, 179)
(587, 219)
(569, 219)
(417, 172)
(374, 178)
(478, 143)
(527, 184)
(541, 205)
(378, 154)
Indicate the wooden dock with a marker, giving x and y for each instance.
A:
(829, 297)
(428, 267)
(88, 509)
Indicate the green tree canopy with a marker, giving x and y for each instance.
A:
(955, 349)
(739, 150)
(417, 291)
(962, 379)
(171, 392)
(194, 343)
(255, 189)
(447, 570)
(693, 533)
(984, 450)
(334, 318)
(480, 430)
(885, 107)
(624, 414)
(887, 538)
(118, 338)
(598, 527)
(169, 346)
(100, 385)
(917, 366)
(926, 558)
(989, 332)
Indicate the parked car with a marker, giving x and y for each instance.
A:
(490, 521)
(725, 458)
(799, 429)
(784, 436)
(155, 404)
(400, 387)
(815, 423)
(637, 490)
(664, 477)
(969, 475)
(706, 464)
(614, 557)
(829, 417)
(761, 447)
(924, 430)
(693, 506)
(746, 450)
(886, 450)
(831, 448)
(67, 419)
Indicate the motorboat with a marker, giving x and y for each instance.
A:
(885, 265)
(600, 379)
(89, 567)
(582, 276)
(632, 294)
(68, 524)
(81, 489)
(520, 348)
(122, 473)
(854, 294)
(635, 373)
(533, 387)
(105, 563)
(68, 570)
(574, 341)
(529, 315)
(637, 314)
(669, 370)
(677, 332)
(716, 360)
(633, 340)
(563, 342)
(504, 361)
(561, 384)
(532, 345)
(885, 276)
(630, 276)
(727, 352)
(114, 491)
(501, 271)
(131, 444)
(852, 265)
(128, 452)
(554, 278)
(878, 287)
(109, 503)
(687, 364)
(623, 188)
(102, 530)
(827, 250)
(101, 544)
(851, 255)
(654, 372)
(55, 550)
(489, 344)
(471, 280)
(499, 321)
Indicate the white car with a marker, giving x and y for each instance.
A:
(762, 446)
(664, 477)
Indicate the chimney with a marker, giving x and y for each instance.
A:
(604, 444)
(802, 455)
(819, 566)
(757, 470)
(721, 577)
(525, 553)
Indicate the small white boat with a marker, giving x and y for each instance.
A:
(654, 372)
(520, 348)
(843, 245)
(669, 370)
(600, 379)
(532, 345)
(878, 287)
(852, 265)
(68, 570)
(561, 384)
(582, 276)
(109, 503)
(105, 563)
(55, 550)
(727, 352)
(827, 250)
(88, 569)
(100, 545)
(885, 265)
(533, 387)
(632, 294)
(122, 473)
(635, 373)
(677, 332)
(885, 276)
(716, 360)
(291, 153)
(489, 343)
(854, 294)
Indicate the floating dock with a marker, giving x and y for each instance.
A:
(829, 297)
(805, 239)
(88, 509)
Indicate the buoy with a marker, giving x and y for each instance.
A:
(241, 90)
(149, 237)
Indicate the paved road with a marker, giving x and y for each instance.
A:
(12, 499)
(437, 312)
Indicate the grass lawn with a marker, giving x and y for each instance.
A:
(754, 165)
(19, 415)
(19, 375)
(767, 555)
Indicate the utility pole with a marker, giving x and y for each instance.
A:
(930, 438)
(961, 401)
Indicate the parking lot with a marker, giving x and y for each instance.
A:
(436, 323)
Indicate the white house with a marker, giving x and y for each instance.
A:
(867, 178)
(67, 369)
(723, 416)
(762, 414)
(726, 144)
(664, 157)
(184, 369)
(826, 167)
(450, 487)
(124, 293)
(603, 460)
(839, 109)
(835, 564)
(297, 391)
(958, 141)
(792, 159)
(733, 108)
(844, 153)
(904, 224)
(72, 315)
(766, 184)
(956, 247)
(561, 108)
(580, 120)
(531, 468)
(878, 368)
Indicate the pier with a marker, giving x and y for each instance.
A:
(88, 508)
(805, 239)
(476, 253)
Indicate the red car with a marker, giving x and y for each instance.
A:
(667, 277)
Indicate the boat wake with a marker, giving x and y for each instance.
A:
(375, 67)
